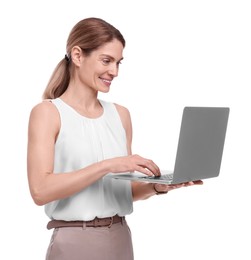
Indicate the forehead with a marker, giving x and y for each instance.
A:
(113, 49)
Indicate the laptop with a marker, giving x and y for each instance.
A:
(199, 151)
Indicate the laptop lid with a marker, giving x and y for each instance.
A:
(200, 147)
(201, 143)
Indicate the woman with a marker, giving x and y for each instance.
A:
(76, 140)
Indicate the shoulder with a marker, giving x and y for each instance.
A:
(123, 111)
(44, 113)
(125, 118)
(44, 108)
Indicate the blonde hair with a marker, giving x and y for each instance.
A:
(89, 34)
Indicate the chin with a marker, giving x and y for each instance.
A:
(104, 90)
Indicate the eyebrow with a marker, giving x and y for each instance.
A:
(110, 57)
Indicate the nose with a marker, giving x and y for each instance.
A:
(113, 70)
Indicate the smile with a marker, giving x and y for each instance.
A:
(106, 80)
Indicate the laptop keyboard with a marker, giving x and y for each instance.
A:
(168, 177)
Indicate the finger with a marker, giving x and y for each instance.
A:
(176, 186)
(190, 183)
(144, 170)
(151, 166)
(147, 163)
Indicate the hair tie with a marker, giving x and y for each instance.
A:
(67, 58)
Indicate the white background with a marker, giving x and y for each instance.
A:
(178, 53)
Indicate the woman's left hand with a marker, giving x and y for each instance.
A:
(168, 187)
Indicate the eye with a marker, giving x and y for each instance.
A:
(106, 61)
(118, 63)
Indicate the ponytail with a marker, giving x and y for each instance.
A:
(59, 80)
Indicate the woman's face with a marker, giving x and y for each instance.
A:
(98, 69)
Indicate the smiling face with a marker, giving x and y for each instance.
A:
(98, 69)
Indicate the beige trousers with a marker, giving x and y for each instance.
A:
(91, 243)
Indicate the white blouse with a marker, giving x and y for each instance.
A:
(83, 141)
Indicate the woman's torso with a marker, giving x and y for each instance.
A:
(81, 142)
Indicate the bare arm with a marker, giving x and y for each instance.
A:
(45, 186)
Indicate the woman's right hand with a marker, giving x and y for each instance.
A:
(133, 163)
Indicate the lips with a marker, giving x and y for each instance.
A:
(107, 82)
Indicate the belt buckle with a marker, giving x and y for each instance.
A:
(97, 222)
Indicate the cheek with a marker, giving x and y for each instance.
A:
(90, 78)
(91, 71)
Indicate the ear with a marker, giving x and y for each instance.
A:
(76, 55)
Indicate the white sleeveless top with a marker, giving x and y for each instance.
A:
(83, 141)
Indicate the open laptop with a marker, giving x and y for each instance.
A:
(200, 147)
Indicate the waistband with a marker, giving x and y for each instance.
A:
(97, 222)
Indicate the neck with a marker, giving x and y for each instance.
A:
(86, 98)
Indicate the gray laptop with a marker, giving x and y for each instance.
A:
(200, 147)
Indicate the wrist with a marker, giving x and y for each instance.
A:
(158, 192)
(104, 167)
